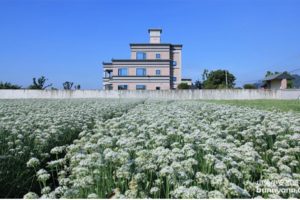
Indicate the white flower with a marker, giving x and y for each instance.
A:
(48, 196)
(180, 192)
(196, 193)
(220, 167)
(46, 190)
(216, 195)
(33, 162)
(57, 150)
(31, 195)
(166, 170)
(154, 190)
(43, 175)
(218, 181)
(93, 196)
(202, 178)
(233, 172)
(119, 196)
(131, 194)
(236, 191)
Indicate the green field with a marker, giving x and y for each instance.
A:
(263, 104)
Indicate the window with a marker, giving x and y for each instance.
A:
(141, 72)
(122, 87)
(158, 55)
(158, 72)
(122, 72)
(140, 55)
(174, 63)
(174, 79)
(140, 87)
(158, 88)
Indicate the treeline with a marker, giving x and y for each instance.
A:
(39, 84)
(223, 79)
(8, 85)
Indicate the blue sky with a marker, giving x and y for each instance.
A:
(68, 40)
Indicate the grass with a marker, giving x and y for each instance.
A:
(263, 104)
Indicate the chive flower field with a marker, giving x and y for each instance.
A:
(110, 148)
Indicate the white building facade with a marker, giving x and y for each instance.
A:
(152, 66)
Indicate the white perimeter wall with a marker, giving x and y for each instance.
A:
(290, 94)
(168, 94)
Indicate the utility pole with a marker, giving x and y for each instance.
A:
(226, 79)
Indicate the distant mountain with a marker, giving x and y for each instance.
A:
(296, 81)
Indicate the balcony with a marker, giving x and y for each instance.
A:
(108, 87)
(107, 75)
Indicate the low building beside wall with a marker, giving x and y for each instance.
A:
(152, 66)
(187, 80)
(277, 81)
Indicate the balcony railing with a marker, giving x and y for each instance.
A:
(108, 77)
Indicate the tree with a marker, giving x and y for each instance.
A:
(204, 75)
(68, 85)
(77, 87)
(183, 86)
(8, 85)
(198, 84)
(109, 87)
(217, 80)
(296, 81)
(40, 84)
(270, 73)
(221, 87)
(53, 88)
(289, 82)
(249, 86)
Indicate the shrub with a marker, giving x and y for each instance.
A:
(183, 86)
(249, 86)
(8, 85)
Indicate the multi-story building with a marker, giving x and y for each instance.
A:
(152, 66)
